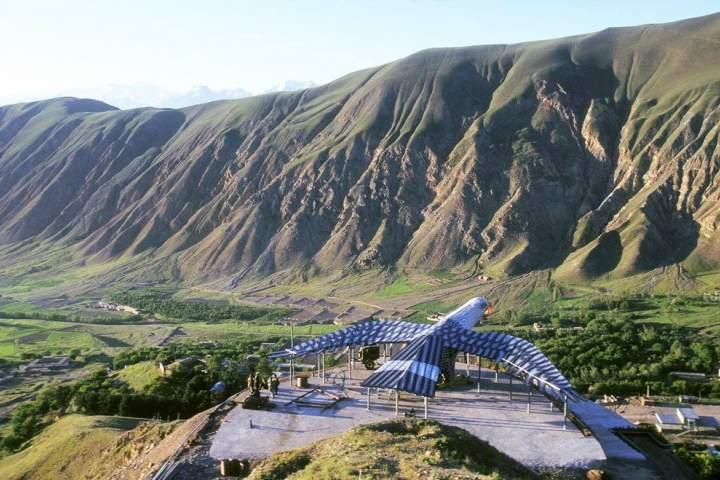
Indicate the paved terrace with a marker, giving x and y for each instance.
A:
(535, 438)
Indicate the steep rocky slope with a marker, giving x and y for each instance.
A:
(592, 155)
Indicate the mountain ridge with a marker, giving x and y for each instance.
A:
(594, 155)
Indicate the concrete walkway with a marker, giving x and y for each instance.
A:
(601, 421)
(535, 438)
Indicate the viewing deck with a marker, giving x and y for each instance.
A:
(540, 437)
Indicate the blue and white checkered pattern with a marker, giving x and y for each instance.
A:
(518, 356)
(362, 334)
(416, 368)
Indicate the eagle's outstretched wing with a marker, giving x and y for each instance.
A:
(362, 334)
(518, 355)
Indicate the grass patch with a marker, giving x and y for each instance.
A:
(443, 274)
(139, 375)
(71, 448)
(7, 349)
(425, 309)
(401, 286)
(225, 330)
(410, 450)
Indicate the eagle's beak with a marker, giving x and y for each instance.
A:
(490, 309)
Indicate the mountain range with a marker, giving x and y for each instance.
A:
(595, 156)
(144, 94)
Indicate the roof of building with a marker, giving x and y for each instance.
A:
(324, 316)
(687, 413)
(324, 303)
(50, 362)
(303, 315)
(667, 419)
(218, 387)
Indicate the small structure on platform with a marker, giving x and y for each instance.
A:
(233, 467)
(183, 363)
(255, 400)
(317, 398)
(219, 387)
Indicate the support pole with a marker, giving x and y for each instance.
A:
(397, 403)
(511, 388)
(425, 401)
(318, 372)
(368, 398)
(467, 365)
(292, 359)
(292, 371)
(350, 362)
(529, 397)
(496, 372)
(322, 364)
(564, 412)
(479, 374)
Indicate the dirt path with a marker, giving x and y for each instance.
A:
(175, 332)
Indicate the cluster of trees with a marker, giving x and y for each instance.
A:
(160, 303)
(60, 317)
(238, 350)
(623, 357)
(699, 459)
(556, 319)
(182, 393)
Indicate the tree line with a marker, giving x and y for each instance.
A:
(160, 303)
(617, 356)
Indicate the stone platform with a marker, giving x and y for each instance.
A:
(535, 438)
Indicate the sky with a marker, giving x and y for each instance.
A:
(57, 47)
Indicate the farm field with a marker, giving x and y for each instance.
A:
(227, 330)
(47, 337)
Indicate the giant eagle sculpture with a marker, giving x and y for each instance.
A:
(416, 368)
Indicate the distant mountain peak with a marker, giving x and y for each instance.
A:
(148, 95)
(291, 86)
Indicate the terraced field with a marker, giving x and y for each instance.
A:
(30, 336)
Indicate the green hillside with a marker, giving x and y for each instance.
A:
(81, 447)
